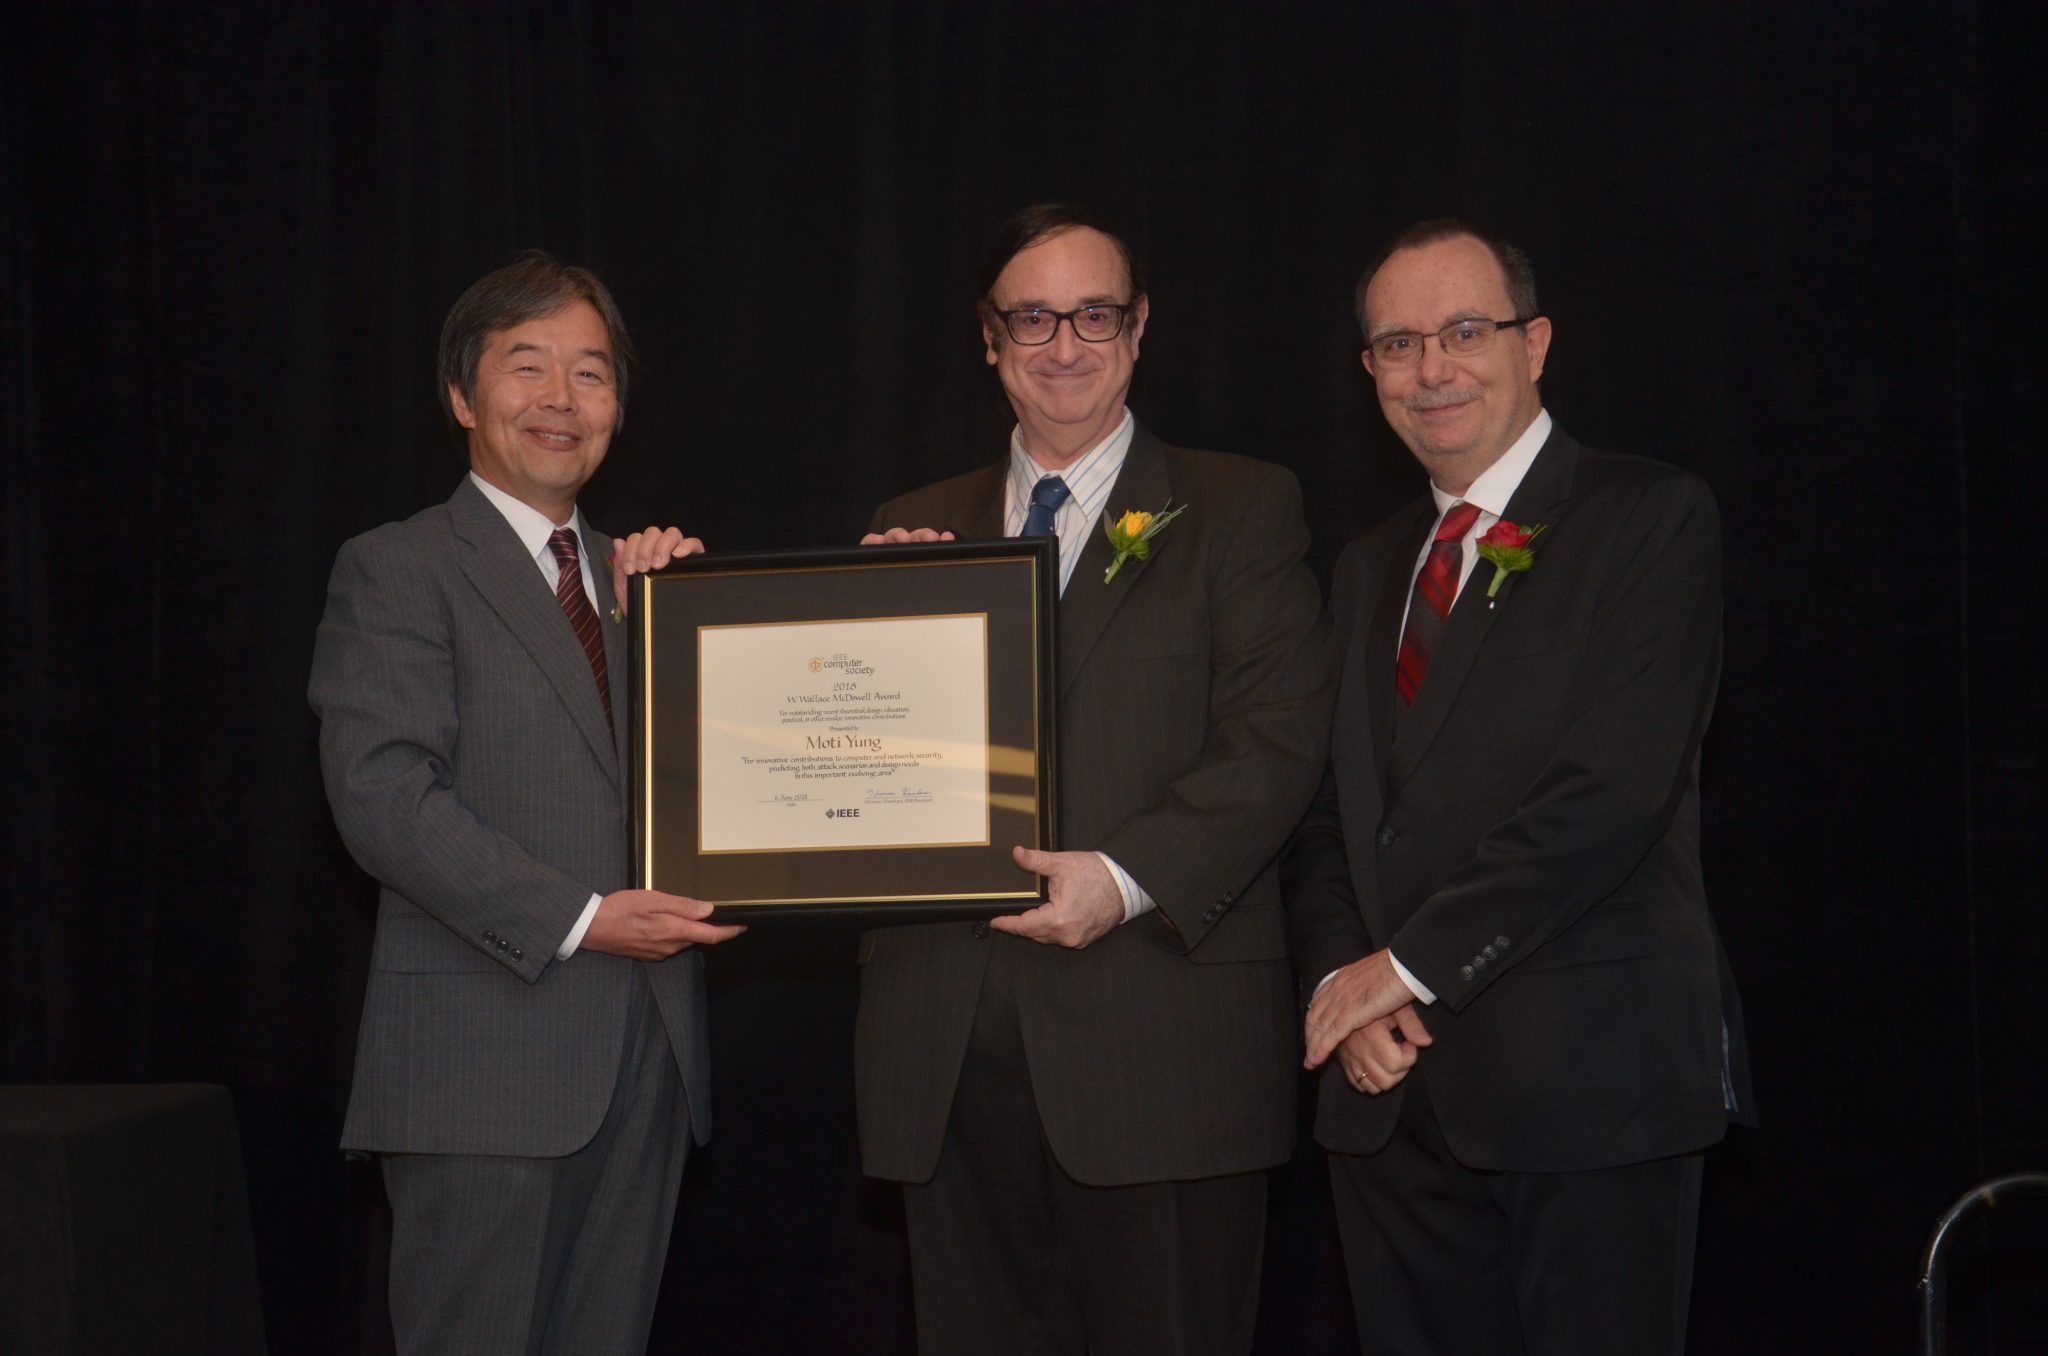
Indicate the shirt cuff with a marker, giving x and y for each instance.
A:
(1136, 901)
(575, 937)
(1415, 986)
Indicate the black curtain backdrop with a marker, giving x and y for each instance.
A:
(1793, 248)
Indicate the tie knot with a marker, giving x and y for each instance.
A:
(1457, 522)
(562, 542)
(1049, 492)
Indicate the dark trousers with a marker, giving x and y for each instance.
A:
(1010, 1255)
(494, 1254)
(1446, 1260)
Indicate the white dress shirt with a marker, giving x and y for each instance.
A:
(534, 528)
(1089, 481)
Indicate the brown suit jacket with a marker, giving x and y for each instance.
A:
(1193, 706)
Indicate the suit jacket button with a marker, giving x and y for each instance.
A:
(981, 929)
(1387, 835)
(1501, 942)
(490, 937)
(1490, 953)
(1479, 962)
(502, 944)
(1226, 898)
(517, 954)
(1465, 972)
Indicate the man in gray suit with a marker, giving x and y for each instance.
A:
(532, 1063)
(1082, 1099)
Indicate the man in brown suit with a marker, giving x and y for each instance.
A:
(1082, 1099)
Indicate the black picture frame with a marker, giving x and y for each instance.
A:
(1013, 583)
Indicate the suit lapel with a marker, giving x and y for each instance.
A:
(1087, 604)
(511, 584)
(1540, 497)
(1382, 636)
(617, 651)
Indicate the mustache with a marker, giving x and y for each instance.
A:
(1437, 400)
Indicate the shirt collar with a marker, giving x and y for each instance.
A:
(532, 526)
(1497, 484)
(1089, 478)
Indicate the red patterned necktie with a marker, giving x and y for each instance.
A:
(569, 593)
(1436, 587)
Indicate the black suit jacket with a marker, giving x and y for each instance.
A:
(1193, 707)
(1529, 845)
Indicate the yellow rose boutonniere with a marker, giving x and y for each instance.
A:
(1131, 534)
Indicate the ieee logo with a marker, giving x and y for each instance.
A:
(842, 814)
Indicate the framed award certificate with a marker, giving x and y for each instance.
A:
(866, 730)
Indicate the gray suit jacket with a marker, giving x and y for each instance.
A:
(1193, 704)
(470, 770)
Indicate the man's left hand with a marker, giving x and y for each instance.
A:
(1083, 901)
(1362, 992)
(1377, 1056)
(646, 551)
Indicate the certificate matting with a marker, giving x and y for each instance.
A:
(864, 731)
(814, 736)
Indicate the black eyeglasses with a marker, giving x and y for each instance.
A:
(1033, 325)
(1460, 339)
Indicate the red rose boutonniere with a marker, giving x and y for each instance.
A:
(1507, 546)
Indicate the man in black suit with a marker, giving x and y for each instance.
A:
(1528, 1023)
(1082, 1099)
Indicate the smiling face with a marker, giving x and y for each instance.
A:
(1068, 394)
(1456, 414)
(546, 404)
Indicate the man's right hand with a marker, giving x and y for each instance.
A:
(901, 536)
(648, 925)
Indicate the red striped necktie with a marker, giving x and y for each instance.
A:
(576, 603)
(1436, 587)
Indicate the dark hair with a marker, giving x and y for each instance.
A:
(1040, 222)
(534, 285)
(1514, 264)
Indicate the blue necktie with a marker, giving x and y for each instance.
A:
(1046, 497)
